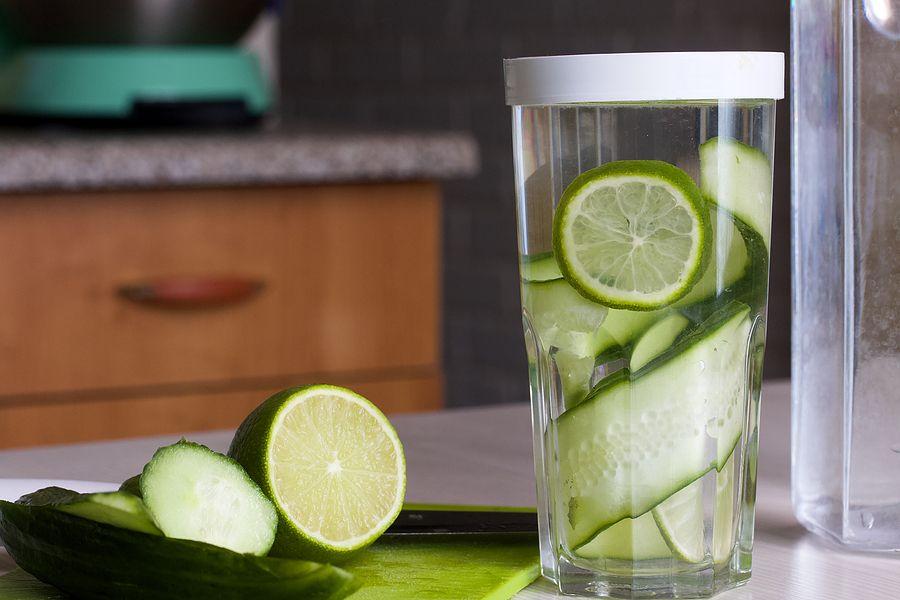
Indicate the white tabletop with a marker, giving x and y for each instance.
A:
(483, 456)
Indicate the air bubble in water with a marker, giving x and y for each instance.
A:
(867, 519)
(702, 365)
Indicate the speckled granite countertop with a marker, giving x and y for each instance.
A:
(50, 161)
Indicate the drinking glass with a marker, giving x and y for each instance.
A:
(644, 190)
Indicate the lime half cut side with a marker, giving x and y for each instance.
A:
(332, 464)
(632, 234)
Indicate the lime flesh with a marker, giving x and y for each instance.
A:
(332, 464)
(632, 234)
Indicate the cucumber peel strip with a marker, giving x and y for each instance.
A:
(712, 467)
(724, 316)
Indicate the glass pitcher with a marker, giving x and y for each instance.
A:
(846, 272)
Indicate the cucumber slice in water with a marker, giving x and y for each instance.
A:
(729, 262)
(738, 178)
(119, 509)
(575, 374)
(622, 327)
(196, 494)
(653, 428)
(629, 539)
(540, 267)
(562, 318)
(731, 255)
(657, 340)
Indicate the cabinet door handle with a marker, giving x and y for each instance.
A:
(191, 292)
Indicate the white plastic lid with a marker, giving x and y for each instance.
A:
(644, 77)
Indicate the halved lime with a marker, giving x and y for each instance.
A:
(632, 234)
(332, 464)
(680, 521)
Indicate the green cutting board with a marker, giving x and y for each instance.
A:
(446, 567)
(440, 567)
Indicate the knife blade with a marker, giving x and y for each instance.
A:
(444, 520)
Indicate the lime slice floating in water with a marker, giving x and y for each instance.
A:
(632, 234)
(332, 464)
(680, 520)
(723, 520)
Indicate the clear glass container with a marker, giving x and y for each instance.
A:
(846, 275)
(644, 188)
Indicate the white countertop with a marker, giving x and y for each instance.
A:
(483, 456)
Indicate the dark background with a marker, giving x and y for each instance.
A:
(413, 64)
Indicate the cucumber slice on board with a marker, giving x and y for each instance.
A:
(132, 485)
(119, 509)
(629, 539)
(196, 494)
(657, 340)
(540, 267)
(738, 178)
(95, 561)
(562, 318)
(653, 428)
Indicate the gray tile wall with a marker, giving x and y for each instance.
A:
(407, 64)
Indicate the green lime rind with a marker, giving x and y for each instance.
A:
(251, 448)
(589, 513)
(680, 521)
(658, 172)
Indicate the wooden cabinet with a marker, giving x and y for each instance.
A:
(114, 320)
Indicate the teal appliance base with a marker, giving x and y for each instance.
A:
(168, 85)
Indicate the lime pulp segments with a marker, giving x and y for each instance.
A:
(332, 464)
(632, 234)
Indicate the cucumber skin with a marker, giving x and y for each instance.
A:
(720, 319)
(539, 268)
(750, 289)
(147, 492)
(94, 561)
(750, 166)
(132, 485)
(128, 513)
(253, 458)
